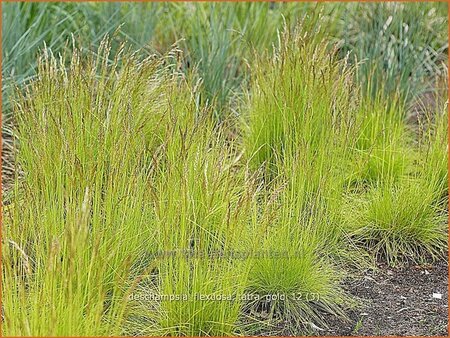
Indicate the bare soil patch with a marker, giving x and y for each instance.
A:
(398, 301)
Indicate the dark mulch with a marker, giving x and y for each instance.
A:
(397, 301)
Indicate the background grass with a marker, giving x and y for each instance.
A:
(400, 46)
(224, 35)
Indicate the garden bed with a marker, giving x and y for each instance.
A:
(211, 189)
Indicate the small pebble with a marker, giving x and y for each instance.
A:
(437, 295)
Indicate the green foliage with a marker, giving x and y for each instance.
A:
(295, 281)
(202, 204)
(433, 149)
(80, 214)
(382, 145)
(398, 222)
(399, 45)
(125, 160)
(237, 155)
(299, 118)
(299, 102)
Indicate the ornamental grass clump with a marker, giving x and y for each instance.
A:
(433, 149)
(382, 146)
(299, 125)
(80, 216)
(399, 222)
(300, 101)
(202, 201)
(297, 281)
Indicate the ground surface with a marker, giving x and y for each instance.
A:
(398, 301)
